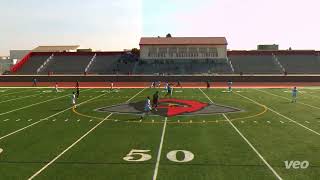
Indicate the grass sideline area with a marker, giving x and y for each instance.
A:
(42, 137)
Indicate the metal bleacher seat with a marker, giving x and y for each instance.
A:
(255, 64)
(31, 66)
(67, 64)
(300, 64)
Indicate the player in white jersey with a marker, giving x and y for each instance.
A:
(294, 94)
(73, 100)
(147, 107)
(111, 86)
(56, 87)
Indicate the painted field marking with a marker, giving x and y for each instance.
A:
(54, 120)
(6, 120)
(90, 120)
(18, 98)
(155, 174)
(247, 141)
(66, 120)
(21, 129)
(279, 114)
(287, 99)
(255, 121)
(269, 122)
(307, 122)
(68, 148)
(33, 105)
(135, 95)
(29, 120)
(78, 120)
(16, 92)
(73, 144)
(18, 120)
(282, 122)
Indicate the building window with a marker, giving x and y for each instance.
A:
(152, 52)
(173, 52)
(213, 52)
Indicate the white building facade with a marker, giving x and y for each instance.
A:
(183, 48)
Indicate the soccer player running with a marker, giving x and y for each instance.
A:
(147, 108)
(78, 90)
(111, 86)
(179, 84)
(155, 101)
(73, 100)
(208, 85)
(230, 86)
(294, 94)
(169, 90)
(34, 82)
(56, 87)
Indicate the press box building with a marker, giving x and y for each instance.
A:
(179, 48)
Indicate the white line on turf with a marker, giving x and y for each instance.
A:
(34, 104)
(279, 114)
(68, 148)
(135, 95)
(18, 98)
(253, 148)
(14, 132)
(57, 157)
(16, 92)
(155, 174)
(247, 141)
(6, 120)
(266, 92)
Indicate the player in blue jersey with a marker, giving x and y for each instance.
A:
(294, 94)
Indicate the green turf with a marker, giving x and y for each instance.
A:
(40, 135)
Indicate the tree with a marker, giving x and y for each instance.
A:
(168, 35)
(135, 52)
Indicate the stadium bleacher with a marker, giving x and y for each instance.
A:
(255, 64)
(31, 66)
(245, 62)
(300, 64)
(186, 66)
(67, 64)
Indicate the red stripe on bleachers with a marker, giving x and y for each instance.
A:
(17, 66)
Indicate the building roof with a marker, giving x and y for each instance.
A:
(55, 48)
(183, 41)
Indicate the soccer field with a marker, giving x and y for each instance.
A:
(267, 137)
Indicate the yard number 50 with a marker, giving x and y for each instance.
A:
(136, 155)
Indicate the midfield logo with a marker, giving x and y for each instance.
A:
(171, 107)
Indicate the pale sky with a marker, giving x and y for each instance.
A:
(119, 24)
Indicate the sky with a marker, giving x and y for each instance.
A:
(119, 24)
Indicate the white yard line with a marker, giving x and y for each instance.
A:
(15, 93)
(247, 141)
(73, 144)
(19, 98)
(266, 92)
(68, 148)
(155, 174)
(253, 148)
(135, 95)
(34, 104)
(41, 120)
(279, 114)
